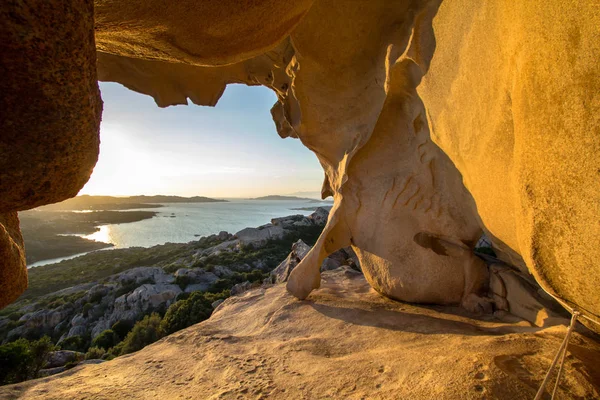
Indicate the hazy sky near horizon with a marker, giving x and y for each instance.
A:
(231, 150)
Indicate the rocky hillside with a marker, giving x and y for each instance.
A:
(344, 342)
(95, 300)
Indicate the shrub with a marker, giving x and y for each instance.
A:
(144, 332)
(182, 281)
(122, 328)
(196, 308)
(71, 364)
(170, 269)
(23, 359)
(95, 353)
(15, 316)
(106, 339)
(75, 343)
(182, 296)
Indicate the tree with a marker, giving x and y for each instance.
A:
(74, 343)
(144, 332)
(95, 353)
(122, 328)
(192, 310)
(106, 339)
(184, 313)
(23, 359)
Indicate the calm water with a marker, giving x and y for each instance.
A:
(182, 223)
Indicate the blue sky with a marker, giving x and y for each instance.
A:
(231, 150)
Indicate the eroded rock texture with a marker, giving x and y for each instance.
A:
(50, 119)
(513, 96)
(432, 120)
(355, 86)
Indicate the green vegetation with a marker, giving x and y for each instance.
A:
(95, 267)
(95, 353)
(106, 339)
(196, 308)
(22, 359)
(144, 332)
(122, 328)
(75, 343)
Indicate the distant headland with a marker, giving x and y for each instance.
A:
(289, 198)
(86, 202)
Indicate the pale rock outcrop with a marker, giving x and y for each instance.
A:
(197, 278)
(282, 272)
(342, 257)
(348, 342)
(141, 274)
(261, 235)
(60, 357)
(143, 299)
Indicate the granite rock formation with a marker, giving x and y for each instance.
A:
(347, 343)
(433, 121)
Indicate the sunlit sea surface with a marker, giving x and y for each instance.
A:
(184, 222)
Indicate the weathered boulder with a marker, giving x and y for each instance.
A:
(282, 272)
(299, 251)
(291, 221)
(48, 66)
(50, 121)
(60, 357)
(260, 236)
(319, 217)
(142, 300)
(222, 271)
(196, 278)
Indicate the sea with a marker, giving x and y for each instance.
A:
(185, 222)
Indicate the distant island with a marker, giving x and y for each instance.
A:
(86, 202)
(290, 198)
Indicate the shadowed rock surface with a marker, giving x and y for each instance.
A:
(267, 344)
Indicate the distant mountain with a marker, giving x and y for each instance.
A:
(311, 195)
(278, 197)
(86, 202)
(295, 198)
(171, 199)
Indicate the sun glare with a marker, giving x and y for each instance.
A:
(231, 150)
